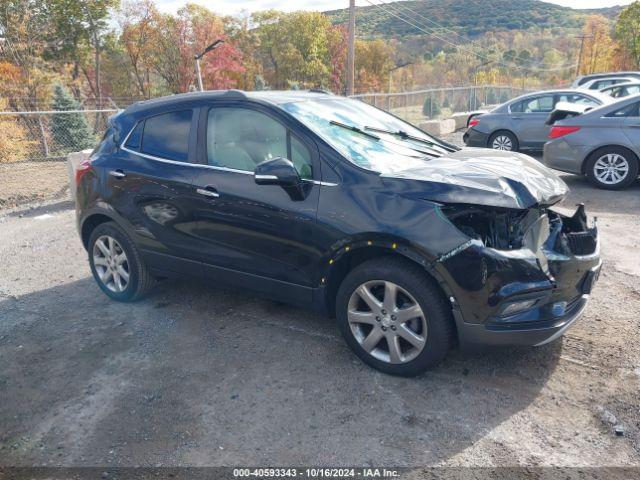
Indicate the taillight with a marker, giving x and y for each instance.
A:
(473, 122)
(561, 131)
(82, 170)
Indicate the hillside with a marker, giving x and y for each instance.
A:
(469, 18)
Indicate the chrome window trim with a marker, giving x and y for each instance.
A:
(199, 165)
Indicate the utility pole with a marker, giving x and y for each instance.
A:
(582, 38)
(351, 48)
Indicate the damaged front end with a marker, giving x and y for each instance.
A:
(523, 276)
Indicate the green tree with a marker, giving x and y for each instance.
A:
(628, 31)
(70, 131)
(78, 32)
(431, 107)
(294, 47)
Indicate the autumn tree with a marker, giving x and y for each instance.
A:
(24, 25)
(598, 52)
(337, 46)
(15, 142)
(138, 20)
(628, 31)
(373, 62)
(183, 36)
(295, 47)
(77, 33)
(244, 37)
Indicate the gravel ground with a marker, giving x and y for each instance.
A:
(28, 182)
(195, 375)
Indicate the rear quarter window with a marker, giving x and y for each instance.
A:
(167, 135)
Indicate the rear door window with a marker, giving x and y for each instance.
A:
(166, 135)
(577, 98)
(632, 110)
(538, 105)
(631, 90)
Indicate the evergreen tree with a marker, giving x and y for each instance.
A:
(431, 108)
(70, 131)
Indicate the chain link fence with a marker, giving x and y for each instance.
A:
(49, 134)
(436, 103)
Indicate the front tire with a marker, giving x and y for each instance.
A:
(394, 317)
(116, 264)
(503, 140)
(612, 168)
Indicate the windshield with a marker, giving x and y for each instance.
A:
(366, 145)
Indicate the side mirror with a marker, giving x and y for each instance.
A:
(280, 171)
(276, 171)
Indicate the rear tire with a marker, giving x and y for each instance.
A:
(612, 168)
(116, 264)
(503, 140)
(402, 333)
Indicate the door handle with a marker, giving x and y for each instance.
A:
(634, 126)
(208, 191)
(516, 118)
(117, 173)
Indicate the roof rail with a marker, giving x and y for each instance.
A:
(320, 90)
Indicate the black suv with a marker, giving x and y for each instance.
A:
(411, 243)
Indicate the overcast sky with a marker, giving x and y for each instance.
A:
(234, 6)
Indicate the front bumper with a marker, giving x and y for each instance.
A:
(540, 332)
(485, 282)
(475, 138)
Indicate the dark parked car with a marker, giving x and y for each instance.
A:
(411, 243)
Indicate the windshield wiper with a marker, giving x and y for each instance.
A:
(354, 129)
(432, 152)
(406, 136)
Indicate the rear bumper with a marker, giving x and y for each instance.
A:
(560, 155)
(475, 138)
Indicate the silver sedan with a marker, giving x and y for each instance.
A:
(603, 144)
(520, 123)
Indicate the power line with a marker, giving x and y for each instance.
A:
(522, 67)
(421, 27)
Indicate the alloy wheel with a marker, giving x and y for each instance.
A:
(502, 142)
(111, 264)
(611, 168)
(387, 321)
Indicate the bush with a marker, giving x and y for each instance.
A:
(14, 141)
(431, 108)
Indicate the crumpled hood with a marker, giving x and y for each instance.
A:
(484, 176)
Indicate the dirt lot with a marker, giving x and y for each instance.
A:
(27, 182)
(195, 375)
